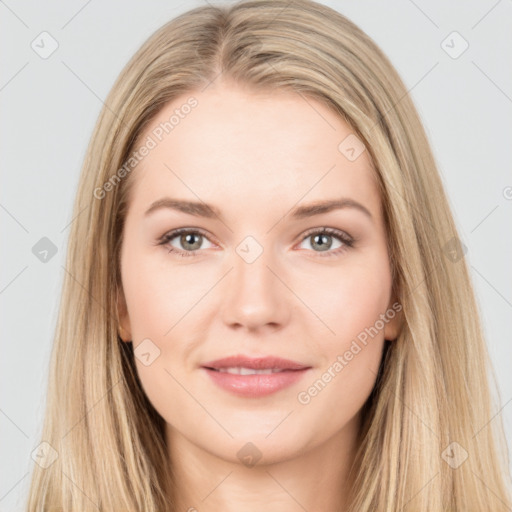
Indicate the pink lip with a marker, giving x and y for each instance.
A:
(255, 385)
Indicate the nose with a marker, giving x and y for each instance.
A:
(255, 296)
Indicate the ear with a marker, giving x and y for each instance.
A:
(394, 315)
(124, 328)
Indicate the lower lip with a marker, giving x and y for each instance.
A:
(255, 385)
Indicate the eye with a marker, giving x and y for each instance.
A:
(322, 240)
(189, 239)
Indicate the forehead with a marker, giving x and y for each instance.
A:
(242, 146)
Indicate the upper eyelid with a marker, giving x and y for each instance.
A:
(325, 229)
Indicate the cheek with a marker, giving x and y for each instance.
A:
(157, 295)
(351, 304)
(162, 304)
(351, 357)
(351, 298)
(158, 299)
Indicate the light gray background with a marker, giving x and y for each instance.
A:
(49, 107)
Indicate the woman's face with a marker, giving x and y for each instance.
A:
(261, 279)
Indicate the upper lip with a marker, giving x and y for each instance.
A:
(255, 363)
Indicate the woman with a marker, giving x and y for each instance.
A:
(266, 301)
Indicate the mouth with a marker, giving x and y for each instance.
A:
(254, 377)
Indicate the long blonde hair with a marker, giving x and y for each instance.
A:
(434, 386)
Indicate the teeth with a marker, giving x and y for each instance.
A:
(247, 371)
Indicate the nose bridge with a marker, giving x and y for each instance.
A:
(251, 274)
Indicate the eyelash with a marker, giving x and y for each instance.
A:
(348, 242)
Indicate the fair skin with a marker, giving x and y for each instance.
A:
(255, 157)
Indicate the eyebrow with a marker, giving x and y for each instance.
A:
(200, 209)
